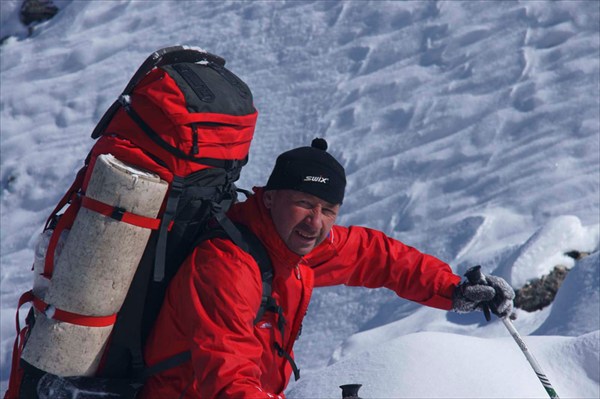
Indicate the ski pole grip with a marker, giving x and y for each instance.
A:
(475, 276)
(350, 391)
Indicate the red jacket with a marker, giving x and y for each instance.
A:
(212, 302)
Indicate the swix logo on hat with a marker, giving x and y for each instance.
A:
(317, 179)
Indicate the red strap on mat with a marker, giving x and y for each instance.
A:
(65, 222)
(73, 318)
(25, 298)
(119, 214)
(16, 371)
(69, 195)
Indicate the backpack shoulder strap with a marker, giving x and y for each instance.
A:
(260, 255)
(244, 238)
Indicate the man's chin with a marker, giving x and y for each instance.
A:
(302, 248)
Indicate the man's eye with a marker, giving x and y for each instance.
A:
(329, 212)
(304, 204)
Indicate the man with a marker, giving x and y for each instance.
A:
(212, 302)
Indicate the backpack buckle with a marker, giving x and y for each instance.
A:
(118, 213)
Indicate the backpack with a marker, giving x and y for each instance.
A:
(180, 133)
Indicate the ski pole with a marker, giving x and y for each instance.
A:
(475, 276)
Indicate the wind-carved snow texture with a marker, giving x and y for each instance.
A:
(547, 248)
(576, 308)
(464, 128)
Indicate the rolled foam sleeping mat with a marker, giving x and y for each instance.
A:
(95, 268)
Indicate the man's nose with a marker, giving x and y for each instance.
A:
(314, 218)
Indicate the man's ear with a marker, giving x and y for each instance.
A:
(268, 198)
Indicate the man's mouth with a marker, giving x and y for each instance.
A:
(306, 236)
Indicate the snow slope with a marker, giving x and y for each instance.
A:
(468, 129)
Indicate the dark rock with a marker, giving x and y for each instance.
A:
(576, 254)
(540, 292)
(35, 11)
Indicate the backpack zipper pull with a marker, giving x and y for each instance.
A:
(195, 149)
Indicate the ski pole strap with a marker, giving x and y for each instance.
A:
(120, 214)
(52, 312)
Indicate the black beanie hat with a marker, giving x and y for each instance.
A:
(311, 170)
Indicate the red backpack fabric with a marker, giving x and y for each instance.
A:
(188, 119)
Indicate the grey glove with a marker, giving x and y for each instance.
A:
(491, 291)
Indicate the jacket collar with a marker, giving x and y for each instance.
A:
(257, 217)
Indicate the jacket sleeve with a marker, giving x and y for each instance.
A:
(223, 296)
(371, 259)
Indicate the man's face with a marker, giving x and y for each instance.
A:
(302, 220)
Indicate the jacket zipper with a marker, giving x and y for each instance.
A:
(296, 327)
(286, 348)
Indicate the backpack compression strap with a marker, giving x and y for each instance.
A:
(226, 164)
(120, 214)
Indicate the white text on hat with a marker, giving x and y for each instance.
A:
(317, 179)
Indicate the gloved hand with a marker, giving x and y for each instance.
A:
(492, 291)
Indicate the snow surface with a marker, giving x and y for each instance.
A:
(469, 130)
